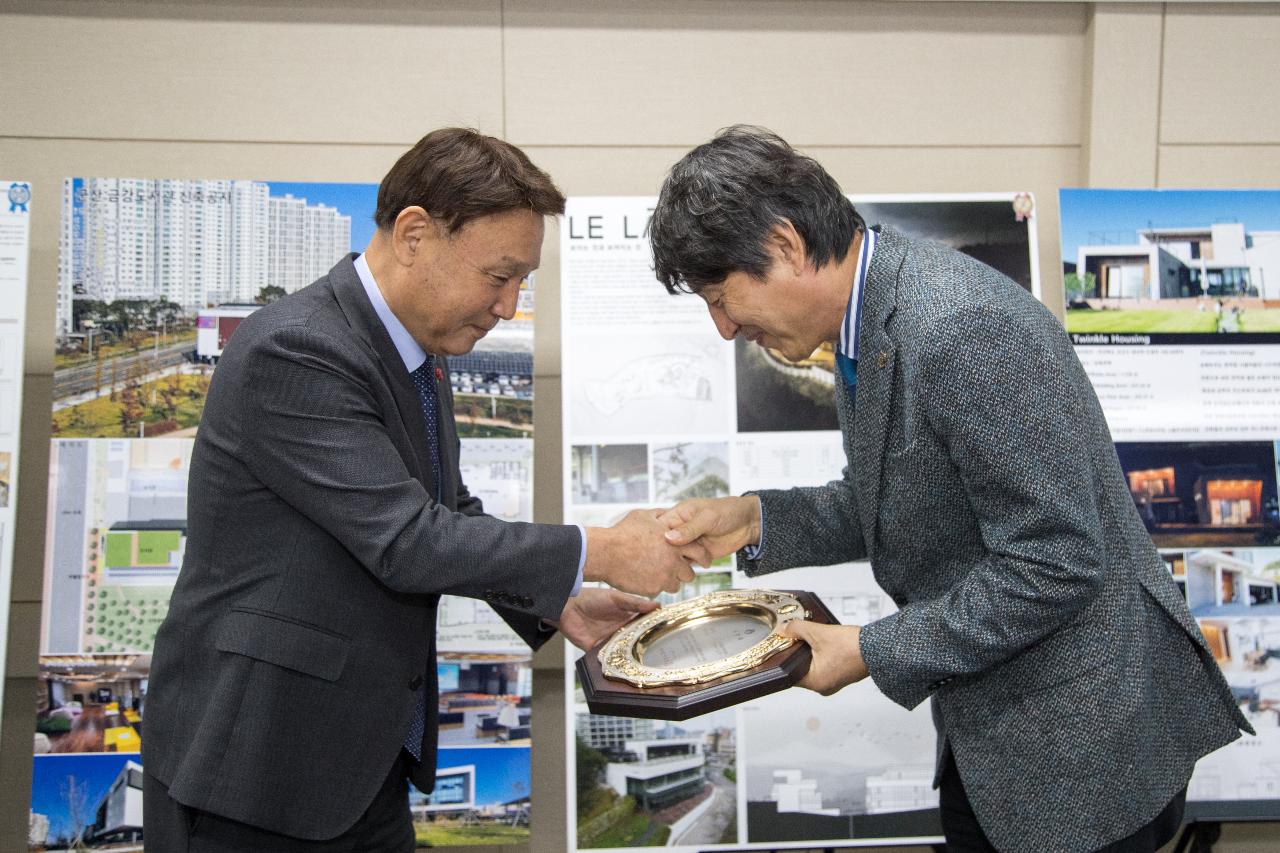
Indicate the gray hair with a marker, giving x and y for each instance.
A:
(721, 199)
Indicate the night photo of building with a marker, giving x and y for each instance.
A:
(1210, 494)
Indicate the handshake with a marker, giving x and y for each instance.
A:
(654, 550)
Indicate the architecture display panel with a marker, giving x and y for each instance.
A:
(154, 278)
(1173, 303)
(15, 238)
(658, 408)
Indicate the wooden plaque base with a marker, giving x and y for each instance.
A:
(680, 702)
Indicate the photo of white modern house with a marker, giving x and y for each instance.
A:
(1220, 582)
(1217, 260)
(1171, 261)
(644, 783)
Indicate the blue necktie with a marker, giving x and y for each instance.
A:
(849, 370)
(425, 381)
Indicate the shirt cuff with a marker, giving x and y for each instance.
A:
(753, 552)
(582, 562)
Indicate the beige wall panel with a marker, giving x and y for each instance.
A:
(1229, 166)
(46, 162)
(33, 490)
(817, 71)
(1122, 104)
(24, 641)
(309, 79)
(16, 738)
(1221, 64)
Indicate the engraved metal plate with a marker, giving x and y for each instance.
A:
(702, 639)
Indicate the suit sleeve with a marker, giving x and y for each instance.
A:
(807, 526)
(318, 441)
(1004, 394)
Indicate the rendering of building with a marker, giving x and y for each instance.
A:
(119, 815)
(1202, 494)
(37, 829)
(214, 327)
(606, 733)
(1218, 261)
(455, 792)
(793, 793)
(657, 773)
(1213, 579)
(900, 790)
(722, 742)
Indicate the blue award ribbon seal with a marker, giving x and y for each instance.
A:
(19, 195)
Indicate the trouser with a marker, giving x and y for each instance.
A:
(170, 827)
(965, 835)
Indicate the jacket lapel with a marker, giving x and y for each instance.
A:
(876, 359)
(349, 292)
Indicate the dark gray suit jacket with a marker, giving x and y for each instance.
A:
(284, 677)
(1068, 677)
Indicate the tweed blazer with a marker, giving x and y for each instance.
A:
(1068, 678)
(302, 625)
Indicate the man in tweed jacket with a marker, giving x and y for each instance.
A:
(1072, 690)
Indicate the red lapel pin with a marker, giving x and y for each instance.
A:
(439, 374)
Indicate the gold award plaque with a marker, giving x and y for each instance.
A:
(700, 655)
(700, 640)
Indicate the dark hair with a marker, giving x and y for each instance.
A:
(720, 201)
(457, 174)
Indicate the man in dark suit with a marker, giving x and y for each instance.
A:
(1072, 691)
(293, 687)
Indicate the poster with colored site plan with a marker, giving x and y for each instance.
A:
(154, 278)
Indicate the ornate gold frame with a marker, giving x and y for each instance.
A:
(620, 658)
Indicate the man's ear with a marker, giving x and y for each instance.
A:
(409, 233)
(788, 246)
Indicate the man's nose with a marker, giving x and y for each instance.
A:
(509, 298)
(726, 327)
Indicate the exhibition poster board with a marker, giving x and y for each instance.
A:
(154, 278)
(1173, 304)
(15, 238)
(657, 408)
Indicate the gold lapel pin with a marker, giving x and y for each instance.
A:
(882, 359)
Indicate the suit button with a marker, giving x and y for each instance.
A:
(526, 601)
(415, 683)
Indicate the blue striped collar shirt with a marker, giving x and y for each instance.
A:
(847, 343)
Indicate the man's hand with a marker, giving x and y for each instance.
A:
(595, 614)
(634, 556)
(837, 656)
(719, 525)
